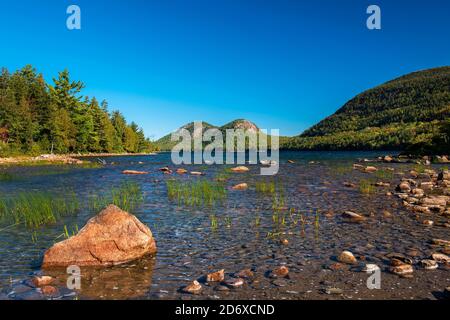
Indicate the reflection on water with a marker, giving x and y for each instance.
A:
(127, 281)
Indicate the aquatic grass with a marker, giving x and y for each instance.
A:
(341, 169)
(366, 186)
(214, 222)
(34, 209)
(265, 187)
(384, 174)
(196, 193)
(126, 196)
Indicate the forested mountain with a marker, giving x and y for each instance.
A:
(36, 117)
(165, 142)
(411, 112)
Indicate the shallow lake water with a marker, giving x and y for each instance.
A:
(246, 232)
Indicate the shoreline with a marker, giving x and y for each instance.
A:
(72, 158)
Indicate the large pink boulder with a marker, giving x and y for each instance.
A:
(110, 238)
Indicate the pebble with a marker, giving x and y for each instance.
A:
(333, 291)
(428, 264)
(245, 274)
(194, 288)
(42, 281)
(440, 257)
(347, 257)
(234, 283)
(402, 269)
(279, 272)
(217, 276)
(49, 291)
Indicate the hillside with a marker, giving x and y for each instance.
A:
(408, 112)
(165, 142)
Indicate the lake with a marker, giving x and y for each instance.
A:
(245, 230)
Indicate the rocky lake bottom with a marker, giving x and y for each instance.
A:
(309, 232)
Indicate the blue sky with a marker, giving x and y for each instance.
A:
(282, 64)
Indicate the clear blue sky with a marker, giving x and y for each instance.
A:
(282, 64)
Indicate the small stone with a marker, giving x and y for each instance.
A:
(370, 169)
(429, 264)
(402, 269)
(234, 283)
(246, 274)
(279, 282)
(440, 257)
(428, 222)
(347, 257)
(49, 291)
(403, 187)
(42, 281)
(221, 288)
(134, 172)
(285, 242)
(181, 171)
(217, 276)
(241, 186)
(240, 169)
(194, 288)
(337, 266)
(332, 291)
(279, 272)
(387, 214)
(291, 161)
(196, 173)
(441, 242)
(353, 217)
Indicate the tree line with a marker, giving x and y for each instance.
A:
(38, 117)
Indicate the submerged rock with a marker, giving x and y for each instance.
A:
(217, 276)
(347, 257)
(194, 288)
(370, 169)
(42, 281)
(404, 269)
(404, 187)
(234, 283)
(134, 172)
(241, 186)
(353, 217)
(246, 274)
(240, 169)
(440, 257)
(429, 264)
(441, 242)
(49, 291)
(279, 272)
(110, 238)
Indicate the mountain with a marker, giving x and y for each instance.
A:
(406, 113)
(165, 142)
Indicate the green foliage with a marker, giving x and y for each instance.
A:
(410, 112)
(36, 117)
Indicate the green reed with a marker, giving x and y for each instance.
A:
(196, 193)
(34, 209)
(366, 186)
(266, 187)
(126, 196)
(384, 174)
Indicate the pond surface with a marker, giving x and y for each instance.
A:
(241, 232)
